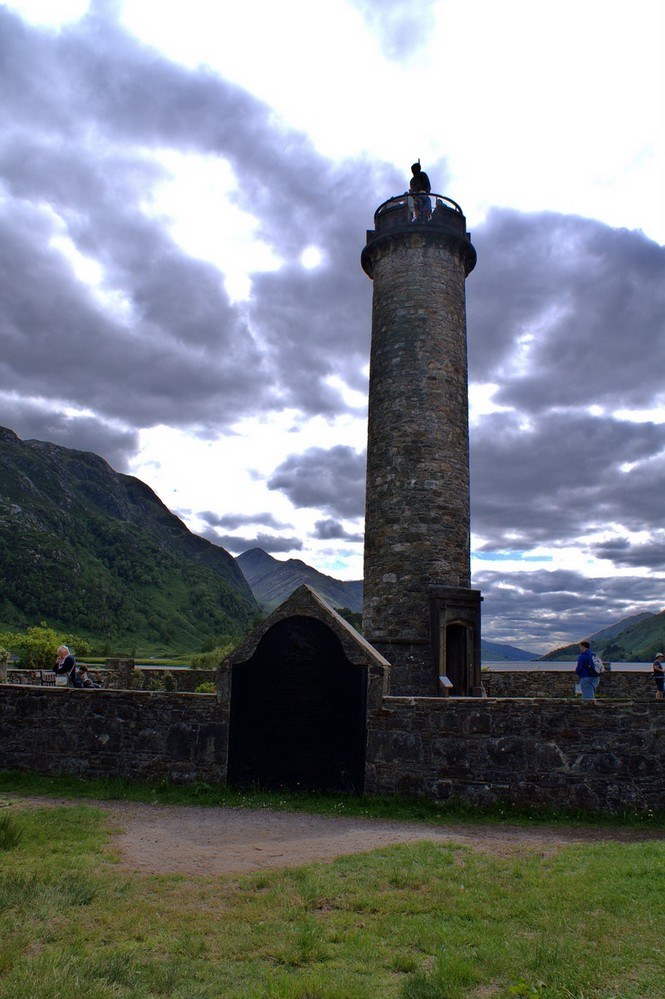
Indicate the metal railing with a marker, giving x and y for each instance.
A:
(407, 209)
(441, 217)
(420, 207)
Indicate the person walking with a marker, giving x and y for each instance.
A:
(659, 675)
(587, 677)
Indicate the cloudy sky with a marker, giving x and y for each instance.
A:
(184, 193)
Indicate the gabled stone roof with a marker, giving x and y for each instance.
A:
(306, 602)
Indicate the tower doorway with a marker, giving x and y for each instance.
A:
(456, 657)
(456, 634)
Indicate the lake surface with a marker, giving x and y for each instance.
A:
(560, 667)
(519, 666)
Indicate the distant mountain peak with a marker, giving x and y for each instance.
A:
(274, 580)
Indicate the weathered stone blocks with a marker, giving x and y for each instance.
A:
(417, 505)
(593, 756)
(102, 733)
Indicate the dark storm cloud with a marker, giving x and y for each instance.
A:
(232, 521)
(332, 530)
(623, 553)
(87, 104)
(331, 480)
(550, 482)
(236, 544)
(401, 27)
(60, 345)
(588, 303)
(542, 610)
(81, 433)
(592, 298)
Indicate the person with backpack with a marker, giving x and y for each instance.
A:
(588, 669)
(659, 675)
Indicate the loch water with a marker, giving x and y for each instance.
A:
(559, 667)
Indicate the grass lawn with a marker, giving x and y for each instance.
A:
(410, 921)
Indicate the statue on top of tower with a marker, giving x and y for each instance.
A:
(419, 181)
(420, 188)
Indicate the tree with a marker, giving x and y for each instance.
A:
(36, 648)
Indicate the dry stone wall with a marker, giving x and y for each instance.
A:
(534, 683)
(182, 680)
(113, 733)
(590, 755)
(598, 756)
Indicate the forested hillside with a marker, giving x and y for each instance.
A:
(636, 639)
(88, 549)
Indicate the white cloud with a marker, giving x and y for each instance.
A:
(198, 206)
(49, 13)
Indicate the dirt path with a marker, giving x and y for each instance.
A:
(162, 839)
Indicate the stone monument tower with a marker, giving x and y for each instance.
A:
(419, 611)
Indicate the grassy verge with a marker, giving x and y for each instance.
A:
(375, 806)
(410, 922)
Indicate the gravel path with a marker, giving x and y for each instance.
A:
(162, 839)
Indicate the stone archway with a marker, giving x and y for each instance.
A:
(297, 712)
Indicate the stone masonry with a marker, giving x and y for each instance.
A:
(114, 733)
(595, 756)
(417, 506)
(555, 683)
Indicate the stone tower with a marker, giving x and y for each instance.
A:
(419, 612)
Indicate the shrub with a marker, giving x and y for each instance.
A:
(136, 679)
(205, 688)
(36, 647)
(169, 681)
(211, 660)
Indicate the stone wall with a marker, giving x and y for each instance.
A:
(589, 755)
(182, 680)
(554, 683)
(113, 733)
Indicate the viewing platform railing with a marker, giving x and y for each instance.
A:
(419, 209)
(407, 213)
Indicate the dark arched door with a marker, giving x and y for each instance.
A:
(456, 658)
(297, 716)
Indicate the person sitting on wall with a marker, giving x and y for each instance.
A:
(659, 675)
(86, 680)
(587, 676)
(420, 188)
(65, 668)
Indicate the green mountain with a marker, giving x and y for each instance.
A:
(495, 652)
(635, 639)
(272, 581)
(95, 552)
